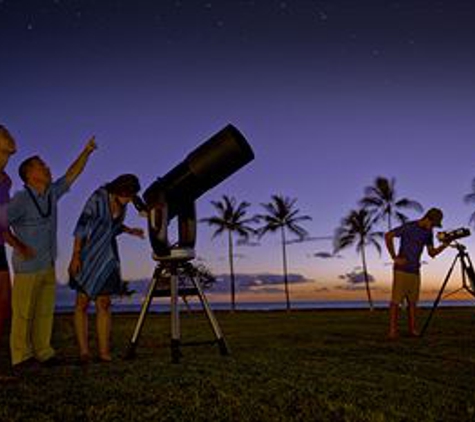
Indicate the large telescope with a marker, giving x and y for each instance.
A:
(174, 194)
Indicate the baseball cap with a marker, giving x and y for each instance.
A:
(435, 215)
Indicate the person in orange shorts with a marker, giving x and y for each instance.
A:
(414, 236)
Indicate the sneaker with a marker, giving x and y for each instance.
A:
(27, 365)
(50, 362)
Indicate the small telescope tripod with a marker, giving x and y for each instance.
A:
(468, 273)
(168, 268)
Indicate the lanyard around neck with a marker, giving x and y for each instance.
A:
(44, 214)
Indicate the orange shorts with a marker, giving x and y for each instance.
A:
(405, 285)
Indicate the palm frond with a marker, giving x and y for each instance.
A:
(381, 198)
(469, 198)
(409, 204)
(281, 213)
(472, 219)
(356, 229)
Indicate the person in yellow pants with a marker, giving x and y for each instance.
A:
(33, 300)
(32, 216)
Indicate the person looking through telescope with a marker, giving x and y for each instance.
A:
(414, 236)
(95, 267)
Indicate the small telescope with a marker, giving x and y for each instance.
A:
(174, 194)
(450, 236)
(466, 267)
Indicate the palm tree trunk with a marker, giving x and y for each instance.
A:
(231, 271)
(366, 278)
(286, 281)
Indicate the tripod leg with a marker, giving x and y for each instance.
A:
(468, 272)
(175, 317)
(130, 354)
(439, 296)
(223, 348)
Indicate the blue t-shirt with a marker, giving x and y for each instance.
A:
(413, 238)
(33, 218)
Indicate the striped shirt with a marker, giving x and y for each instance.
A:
(99, 254)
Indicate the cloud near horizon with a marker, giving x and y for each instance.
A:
(260, 282)
(360, 287)
(356, 277)
(326, 255)
(264, 282)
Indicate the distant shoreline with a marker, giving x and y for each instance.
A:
(163, 307)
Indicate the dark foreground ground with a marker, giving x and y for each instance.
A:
(306, 366)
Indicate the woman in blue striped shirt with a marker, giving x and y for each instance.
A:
(95, 266)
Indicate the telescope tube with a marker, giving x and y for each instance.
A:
(175, 193)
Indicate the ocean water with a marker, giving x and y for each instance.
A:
(162, 305)
(65, 298)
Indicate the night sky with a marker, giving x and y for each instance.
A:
(330, 94)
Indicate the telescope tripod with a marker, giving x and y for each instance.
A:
(468, 273)
(169, 268)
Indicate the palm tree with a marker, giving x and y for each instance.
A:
(381, 198)
(469, 198)
(231, 219)
(281, 216)
(357, 229)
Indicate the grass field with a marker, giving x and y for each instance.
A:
(305, 366)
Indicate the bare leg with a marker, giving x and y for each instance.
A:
(81, 325)
(411, 319)
(103, 327)
(393, 320)
(5, 300)
(5, 312)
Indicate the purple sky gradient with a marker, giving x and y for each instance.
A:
(329, 94)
